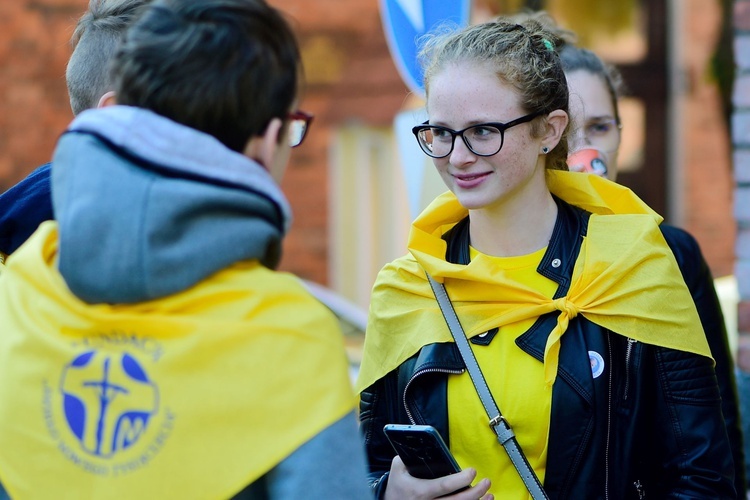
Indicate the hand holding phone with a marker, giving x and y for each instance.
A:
(423, 451)
(425, 455)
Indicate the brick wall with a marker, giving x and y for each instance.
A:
(350, 79)
(706, 170)
(34, 105)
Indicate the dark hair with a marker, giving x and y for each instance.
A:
(95, 40)
(224, 67)
(522, 55)
(579, 59)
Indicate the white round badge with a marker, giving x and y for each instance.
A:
(597, 363)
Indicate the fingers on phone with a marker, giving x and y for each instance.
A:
(454, 482)
(452, 487)
(458, 486)
(479, 490)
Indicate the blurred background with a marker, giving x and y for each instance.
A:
(346, 184)
(686, 135)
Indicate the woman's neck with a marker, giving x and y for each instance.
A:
(513, 229)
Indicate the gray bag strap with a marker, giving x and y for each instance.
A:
(502, 429)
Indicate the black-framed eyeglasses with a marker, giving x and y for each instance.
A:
(299, 123)
(483, 139)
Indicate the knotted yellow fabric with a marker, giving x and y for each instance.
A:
(625, 279)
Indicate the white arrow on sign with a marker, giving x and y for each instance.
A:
(414, 11)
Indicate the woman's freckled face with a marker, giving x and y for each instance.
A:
(465, 94)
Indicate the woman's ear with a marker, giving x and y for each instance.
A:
(557, 120)
(263, 148)
(108, 99)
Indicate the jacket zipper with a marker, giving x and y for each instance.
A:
(628, 354)
(417, 374)
(639, 489)
(609, 422)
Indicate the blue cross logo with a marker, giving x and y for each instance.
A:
(108, 401)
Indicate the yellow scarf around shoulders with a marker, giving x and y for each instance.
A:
(625, 279)
(195, 395)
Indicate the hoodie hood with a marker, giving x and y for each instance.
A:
(148, 207)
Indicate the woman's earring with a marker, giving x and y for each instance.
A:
(545, 150)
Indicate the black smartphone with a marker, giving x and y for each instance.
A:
(422, 450)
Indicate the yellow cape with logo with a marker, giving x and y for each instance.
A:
(625, 279)
(195, 395)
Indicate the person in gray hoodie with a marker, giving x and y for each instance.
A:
(161, 354)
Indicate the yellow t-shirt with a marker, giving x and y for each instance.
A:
(517, 384)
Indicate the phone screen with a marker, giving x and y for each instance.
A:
(422, 450)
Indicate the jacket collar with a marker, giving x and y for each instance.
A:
(557, 265)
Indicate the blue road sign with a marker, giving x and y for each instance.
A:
(404, 21)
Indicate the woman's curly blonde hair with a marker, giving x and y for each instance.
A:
(523, 55)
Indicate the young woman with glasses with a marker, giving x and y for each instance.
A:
(595, 88)
(574, 308)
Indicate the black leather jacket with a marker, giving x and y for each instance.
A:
(699, 281)
(649, 427)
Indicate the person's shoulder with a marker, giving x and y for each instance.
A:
(401, 270)
(684, 246)
(282, 285)
(24, 207)
(42, 172)
(678, 236)
(284, 296)
(37, 183)
(405, 261)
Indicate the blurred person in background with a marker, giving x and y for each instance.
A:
(595, 90)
